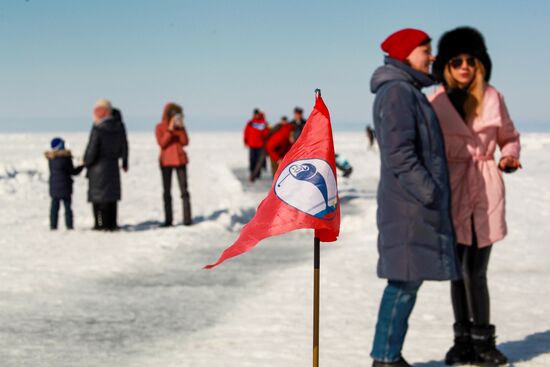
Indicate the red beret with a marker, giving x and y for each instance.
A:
(400, 44)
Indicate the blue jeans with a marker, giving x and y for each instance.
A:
(393, 320)
(54, 212)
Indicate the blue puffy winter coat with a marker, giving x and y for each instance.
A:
(416, 239)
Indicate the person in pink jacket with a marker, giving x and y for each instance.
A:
(474, 121)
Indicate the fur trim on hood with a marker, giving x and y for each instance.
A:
(51, 154)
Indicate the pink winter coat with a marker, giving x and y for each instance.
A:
(477, 188)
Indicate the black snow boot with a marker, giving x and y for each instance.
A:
(187, 219)
(462, 351)
(485, 352)
(400, 363)
(168, 215)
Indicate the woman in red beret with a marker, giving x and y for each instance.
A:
(475, 121)
(416, 240)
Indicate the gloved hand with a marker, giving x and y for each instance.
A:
(509, 164)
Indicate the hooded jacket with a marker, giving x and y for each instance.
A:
(255, 133)
(61, 167)
(117, 115)
(106, 146)
(278, 141)
(416, 239)
(171, 143)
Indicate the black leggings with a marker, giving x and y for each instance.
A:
(470, 295)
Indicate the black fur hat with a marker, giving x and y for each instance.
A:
(461, 40)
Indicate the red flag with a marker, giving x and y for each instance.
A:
(304, 192)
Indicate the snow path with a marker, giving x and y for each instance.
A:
(139, 297)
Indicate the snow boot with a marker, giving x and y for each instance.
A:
(168, 214)
(485, 352)
(400, 363)
(462, 351)
(187, 219)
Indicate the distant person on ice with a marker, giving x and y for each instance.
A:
(255, 133)
(475, 121)
(62, 169)
(416, 240)
(370, 136)
(172, 138)
(278, 142)
(106, 145)
(298, 124)
(343, 165)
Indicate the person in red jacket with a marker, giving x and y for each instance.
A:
(255, 133)
(278, 142)
(172, 137)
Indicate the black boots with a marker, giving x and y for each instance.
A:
(187, 219)
(485, 352)
(168, 217)
(475, 345)
(400, 363)
(462, 352)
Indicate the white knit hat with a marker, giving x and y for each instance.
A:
(103, 102)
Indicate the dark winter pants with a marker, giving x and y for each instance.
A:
(255, 164)
(105, 216)
(470, 296)
(181, 174)
(54, 213)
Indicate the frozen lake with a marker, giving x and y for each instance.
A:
(138, 297)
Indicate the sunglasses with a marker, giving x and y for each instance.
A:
(457, 62)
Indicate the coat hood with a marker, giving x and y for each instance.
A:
(395, 70)
(110, 125)
(51, 154)
(170, 109)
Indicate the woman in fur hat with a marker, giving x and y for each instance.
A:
(474, 120)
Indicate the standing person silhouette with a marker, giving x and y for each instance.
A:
(105, 147)
(475, 121)
(370, 136)
(60, 163)
(298, 123)
(255, 133)
(172, 138)
(416, 239)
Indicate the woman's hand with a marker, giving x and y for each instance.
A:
(509, 164)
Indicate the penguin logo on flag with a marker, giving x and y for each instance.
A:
(309, 185)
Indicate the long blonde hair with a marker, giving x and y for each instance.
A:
(476, 89)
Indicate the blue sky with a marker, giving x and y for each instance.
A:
(220, 59)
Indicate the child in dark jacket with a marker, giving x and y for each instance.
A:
(61, 183)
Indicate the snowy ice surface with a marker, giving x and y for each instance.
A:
(139, 297)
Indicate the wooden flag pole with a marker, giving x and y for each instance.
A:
(316, 286)
(316, 289)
